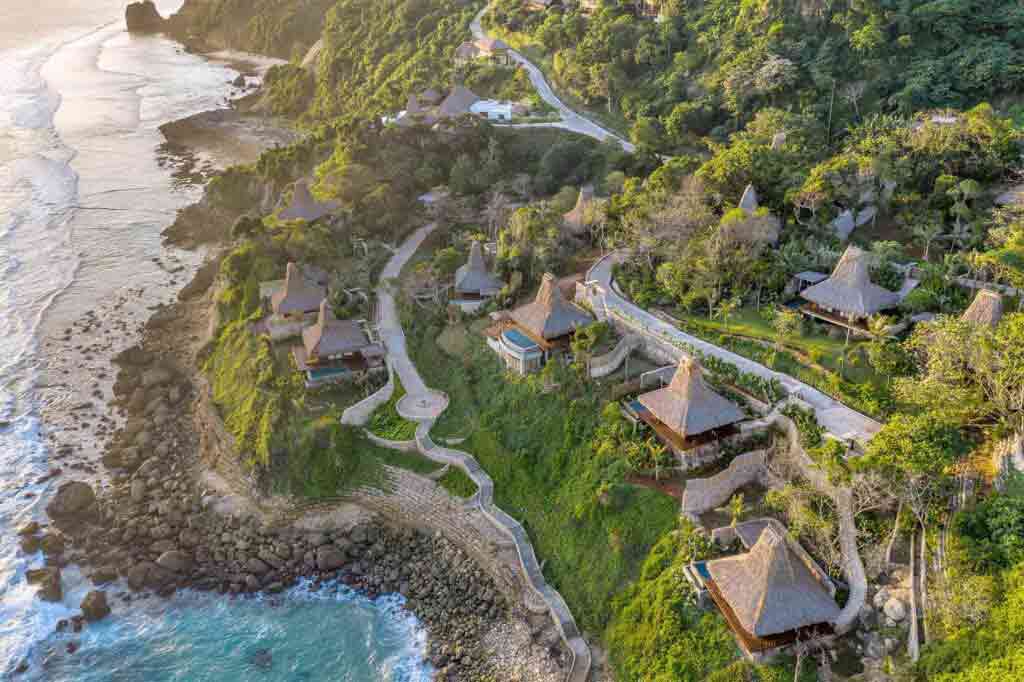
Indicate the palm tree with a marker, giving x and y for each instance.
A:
(926, 233)
(726, 308)
(656, 451)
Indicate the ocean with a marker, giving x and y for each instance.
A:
(85, 191)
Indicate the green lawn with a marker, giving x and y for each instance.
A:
(386, 423)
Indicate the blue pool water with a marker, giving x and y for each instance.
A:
(302, 635)
(327, 372)
(519, 340)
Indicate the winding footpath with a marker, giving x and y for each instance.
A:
(841, 421)
(571, 120)
(424, 405)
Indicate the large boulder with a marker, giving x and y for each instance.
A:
(48, 579)
(175, 560)
(329, 558)
(143, 17)
(895, 609)
(74, 500)
(94, 606)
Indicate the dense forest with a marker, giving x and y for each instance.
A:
(904, 111)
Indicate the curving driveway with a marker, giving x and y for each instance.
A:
(570, 119)
(841, 421)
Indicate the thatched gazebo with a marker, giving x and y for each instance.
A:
(297, 296)
(770, 596)
(576, 219)
(304, 205)
(457, 103)
(848, 294)
(473, 280)
(986, 309)
(687, 412)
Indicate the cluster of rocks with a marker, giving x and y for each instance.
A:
(153, 528)
(886, 611)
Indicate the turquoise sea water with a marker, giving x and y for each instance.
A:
(303, 635)
(83, 199)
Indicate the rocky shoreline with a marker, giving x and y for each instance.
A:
(150, 526)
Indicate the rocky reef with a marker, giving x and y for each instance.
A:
(143, 17)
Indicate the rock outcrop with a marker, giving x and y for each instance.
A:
(143, 17)
(94, 606)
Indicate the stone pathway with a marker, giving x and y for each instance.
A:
(424, 405)
(570, 119)
(841, 421)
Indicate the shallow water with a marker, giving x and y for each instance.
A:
(84, 195)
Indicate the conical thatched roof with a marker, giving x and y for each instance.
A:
(412, 106)
(457, 102)
(985, 309)
(576, 219)
(331, 336)
(748, 202)
(304, 206)
(688, 406)
(770, 590)
(473, 277)
(297, 295)
(430, 96)
(850, 290)
(550, 315)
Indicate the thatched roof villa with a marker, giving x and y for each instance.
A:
(530, 335)
(848, 294)
(773, 594)
(576, 219)
(687, 412)
(334, 350)
(986, 309)
(473, 280)
(457, 103)
(305, 206)
(298, 295)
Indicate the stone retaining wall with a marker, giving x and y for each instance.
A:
(603, 365)
(705, 494)
(360, 413)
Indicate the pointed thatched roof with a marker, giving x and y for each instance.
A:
(413, 106)
(576, 219)
(688, 406)
(748, 202)
(985, 309)
(550, 315)
(770, 589)
(298, 295)
(491, 45)
(304, 206)
(850, 290)
(331, 336)
(457, 102)
(430, 97)
(467, 50)
(473, 277)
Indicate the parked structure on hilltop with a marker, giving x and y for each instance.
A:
(771, 596)
(336, 350)
(474, 283)
(687, 414)
(848, 295)
(986, 309)
(529, 336)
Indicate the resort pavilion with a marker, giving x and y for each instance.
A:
(527, 337)
(333, 349)
(304, 206)
(687, 413)
(772, 595)
(576, 219)
(986, 309)
(297, 296)
(473, 281)
(848, 295)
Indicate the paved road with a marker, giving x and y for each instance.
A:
(838, 419)
(419, 402)
(570, 119)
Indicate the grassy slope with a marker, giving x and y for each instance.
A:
(536, 448)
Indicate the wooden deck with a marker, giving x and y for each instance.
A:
(855, 328)
(678, 443)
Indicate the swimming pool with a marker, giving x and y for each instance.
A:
(519, 340)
